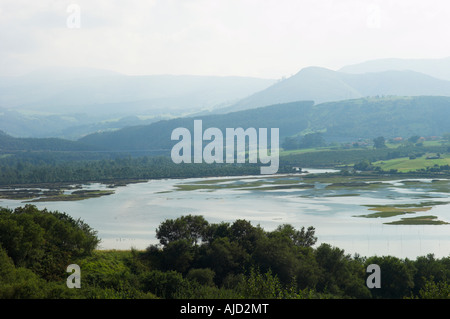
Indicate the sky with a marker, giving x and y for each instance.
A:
(256, 38)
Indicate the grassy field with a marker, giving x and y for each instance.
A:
(404, 164)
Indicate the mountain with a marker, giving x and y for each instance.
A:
(72, 102)
(63, 90)
(67, 126)
(438, 68)
(290, 118)
(312, 83)
(342, 121)
(324, 85)
(382, 116)
(346, 120)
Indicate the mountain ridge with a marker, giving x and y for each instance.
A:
(325, 85)
(438, 68)
(345, 120)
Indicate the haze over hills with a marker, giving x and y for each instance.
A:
(72, 103)
(324, 85)
(98, 91)
(341, 121)
(438, 68)
(13, 144)
(86, 99)
(347, 120)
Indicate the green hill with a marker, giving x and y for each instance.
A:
(11, 144)
(340, 121)
(290, 118)
(389, 117)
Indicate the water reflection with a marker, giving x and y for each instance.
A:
(129, 217)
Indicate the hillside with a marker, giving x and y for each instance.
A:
(322, 85)
(389, 117)
(12, 144)
(290, 118)
(438, 68)
(65, 90)
(341, 121)
(70, 103)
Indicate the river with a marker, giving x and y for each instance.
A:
(129, 217)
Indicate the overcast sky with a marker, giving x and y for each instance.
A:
(259, 38)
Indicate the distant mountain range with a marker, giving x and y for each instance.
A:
(438, 68)
(65, 90)
(323, 85)
(49, 102)
(72, 103)
(344, 121)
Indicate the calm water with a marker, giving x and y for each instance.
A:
(130, 216)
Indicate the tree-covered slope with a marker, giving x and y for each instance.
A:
(344, 120)
(9, 143)
(389, 117)
(289, 118)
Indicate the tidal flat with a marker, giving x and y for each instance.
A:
(130, 214)
(55, 193)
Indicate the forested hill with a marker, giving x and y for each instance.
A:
(339, 121)
(9, 143)
(290, 118)
(389, 117)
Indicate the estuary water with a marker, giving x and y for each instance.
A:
(129, 217)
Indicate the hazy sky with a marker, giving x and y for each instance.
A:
(261, 38)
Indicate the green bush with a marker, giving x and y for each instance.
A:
(45, 242)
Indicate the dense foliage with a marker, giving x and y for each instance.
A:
(198, 259)
(38, 167)
(19, 171)
(42, 241)
(365, 118)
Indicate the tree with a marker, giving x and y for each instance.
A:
(413, 139)
(300, 238)
(224, 257)
(363, 166)
(46, 242)
(379, 142)
(178, 255)
(396, 277)
(428, 268)
(243, 232)
(340, 275)
(312, 140)
(203, 276)
(259, 285)
(18, 283)
(433, 290)
(190, 228)
(290, 143)
(163, 284)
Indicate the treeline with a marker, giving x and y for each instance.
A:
(197, 259)
(9, 143)
(305, 141)
(16, 171)
(60, 167)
